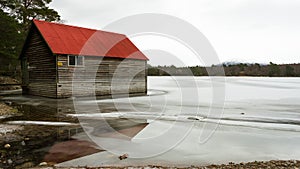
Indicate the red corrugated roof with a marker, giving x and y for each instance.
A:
(65, 39)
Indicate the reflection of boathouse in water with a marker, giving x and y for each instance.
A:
(53, 52)
(62, 111)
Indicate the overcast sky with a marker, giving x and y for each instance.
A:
(239, 30)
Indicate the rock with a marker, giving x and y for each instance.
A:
(123, 157)
(192, 118)
(9, 161)
(43, 164)
(25, 165)
(7, 146)
(9, 103)
(23, 143)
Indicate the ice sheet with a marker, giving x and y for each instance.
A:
(258, 121)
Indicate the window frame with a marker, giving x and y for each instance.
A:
(76, 60)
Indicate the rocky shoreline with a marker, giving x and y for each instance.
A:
(273, 164)
(22, 146)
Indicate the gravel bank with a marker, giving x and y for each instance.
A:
(274, 164)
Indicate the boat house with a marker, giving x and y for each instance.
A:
(57, 57)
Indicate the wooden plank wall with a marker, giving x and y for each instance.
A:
(41, 67)
(104, 76)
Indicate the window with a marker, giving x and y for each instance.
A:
(75, 60)
(80, 60)
(72, 60)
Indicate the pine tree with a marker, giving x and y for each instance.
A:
(16, 16)
(11, 40)
(26, 10)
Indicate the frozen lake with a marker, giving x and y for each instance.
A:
(199, 121)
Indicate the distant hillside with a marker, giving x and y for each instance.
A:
(236, 69)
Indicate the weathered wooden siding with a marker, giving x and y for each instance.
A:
(104, 76)
(41, 66)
